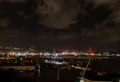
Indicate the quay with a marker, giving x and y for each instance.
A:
(23, 68)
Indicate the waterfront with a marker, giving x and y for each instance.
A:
(51, 69)
(35, 76)
(48, 75)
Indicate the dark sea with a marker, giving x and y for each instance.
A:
(51, 75)
(111, 65)
(43, 75)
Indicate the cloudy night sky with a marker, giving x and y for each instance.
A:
(60, 23)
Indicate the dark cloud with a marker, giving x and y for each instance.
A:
(13, 1)
(101, 2)
(4, 22)
(99, 20)
(60, 22)
(58, 14)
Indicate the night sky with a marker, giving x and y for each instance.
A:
(78, 24)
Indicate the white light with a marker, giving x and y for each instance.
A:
(41, 53)
(56, 54)
(13, 53)
(19, 54)
(81, 80)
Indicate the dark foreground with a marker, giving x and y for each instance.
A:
(45, 75)
(50, 75)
